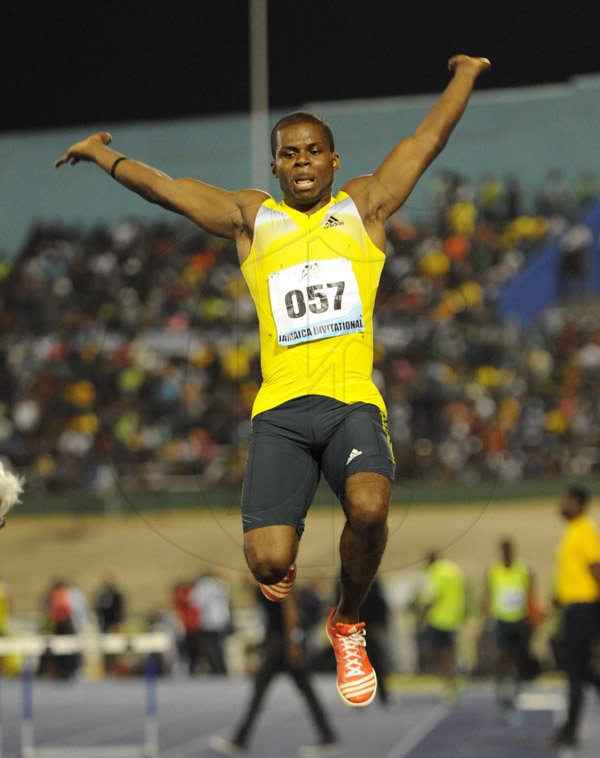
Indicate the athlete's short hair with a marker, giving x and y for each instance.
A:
(301, 117)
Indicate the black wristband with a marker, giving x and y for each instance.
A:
(116, 163)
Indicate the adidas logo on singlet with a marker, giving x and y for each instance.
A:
(331, 222)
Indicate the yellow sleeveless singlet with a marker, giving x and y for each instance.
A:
(314, 281)
(509, 587)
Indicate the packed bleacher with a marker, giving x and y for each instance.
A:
(130, 354)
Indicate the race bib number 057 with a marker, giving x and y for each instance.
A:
(316, 300)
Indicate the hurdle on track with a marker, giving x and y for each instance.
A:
(34, 646)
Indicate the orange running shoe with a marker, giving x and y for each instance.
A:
(356, 679)
(276, 592)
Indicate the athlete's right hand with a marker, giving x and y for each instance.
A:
(478, 64)
(84, 150)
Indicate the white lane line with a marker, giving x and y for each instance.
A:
(189, 749)
(540, 701)
(419, 732)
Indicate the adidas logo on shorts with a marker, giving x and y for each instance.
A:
(353, 455)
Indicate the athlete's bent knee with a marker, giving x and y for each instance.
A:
(366, 501)
(267, 571)
(366, 512)
(270, 553)
(367, 518)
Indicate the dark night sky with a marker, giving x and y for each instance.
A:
(69, 63)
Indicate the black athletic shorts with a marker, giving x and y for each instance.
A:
(512, 636)
(434, 637)
(294, 442)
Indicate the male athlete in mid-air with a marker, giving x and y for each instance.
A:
(312, 262)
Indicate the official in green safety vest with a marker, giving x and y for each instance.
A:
(442, 602)
(508, 598)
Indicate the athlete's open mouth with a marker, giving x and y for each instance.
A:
(304, 181)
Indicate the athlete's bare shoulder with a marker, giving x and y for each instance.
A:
(249, 202)
(359, 190)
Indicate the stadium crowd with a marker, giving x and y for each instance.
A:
(130, 353)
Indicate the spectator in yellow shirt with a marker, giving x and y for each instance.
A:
(577, 593)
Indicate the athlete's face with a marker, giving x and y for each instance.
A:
(304, 164)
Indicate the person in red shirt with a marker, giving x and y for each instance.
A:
(188, 616)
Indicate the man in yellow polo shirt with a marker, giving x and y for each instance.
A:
(577, 593)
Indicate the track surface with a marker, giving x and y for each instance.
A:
(416, 725)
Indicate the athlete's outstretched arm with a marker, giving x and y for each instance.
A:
(226, 214)
(380, 194)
